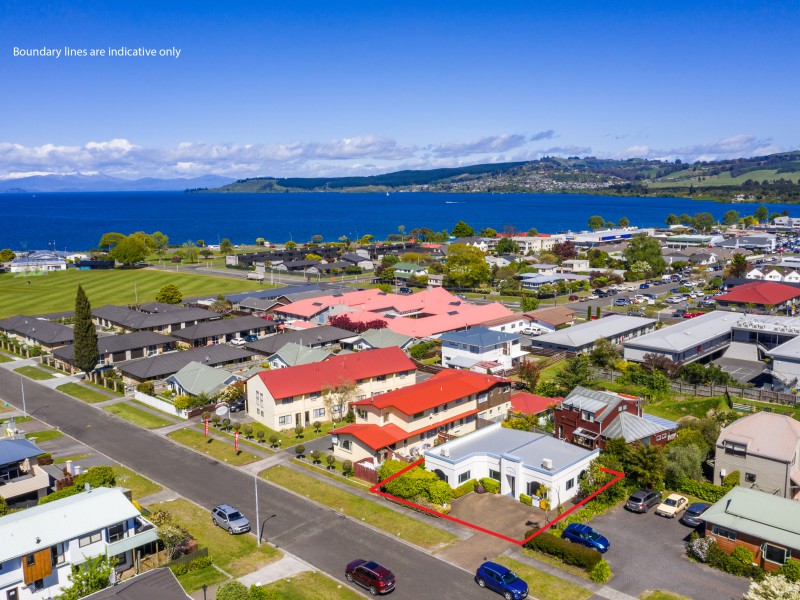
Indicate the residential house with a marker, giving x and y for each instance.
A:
(222, 331)
(521, 461)
(164, 365)
(323, 268)
(408, 421)
(590, 418)
(702, 259)
(513, 323)
(284, 398)
(536, 244)
(295, 266)
(197, 379)
(786, 221)
(117, 348)
(754, 273)
(499, 261)
(33, 331)
(545, 268)
(533, 281)
(527, 404)
(767, 525)
(483, 244)
(582, 337)
(44, 543)
(575, 265)
(293, 354)
(357, 260)
(372, 339)
(762, 295)
(156, 584)
(405, 270)
(552, 317)
(481, 349)
(22, 480)
(153, 316)
(323, 336)
(765, 449)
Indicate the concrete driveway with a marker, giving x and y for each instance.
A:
(647, 552)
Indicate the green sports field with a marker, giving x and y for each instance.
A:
(55, 292)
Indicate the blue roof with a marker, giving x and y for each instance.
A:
(479, 336)
(665, 423)
(272, 293)
(12, 450)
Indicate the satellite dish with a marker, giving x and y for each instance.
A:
(222, 411)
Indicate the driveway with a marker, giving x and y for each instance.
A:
(647, 552)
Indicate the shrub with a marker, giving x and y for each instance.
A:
(791, 569)
(525, 499)
(273, 440)
(316, 456)
(146, 387)
(179, 570)
(215, 419)
(298, 431)
(300, 450)
(491, 485)
(232, 590)
(465, 488)
(601, 572)
(719, 559)
(743, 555)
(697, 548)
(731, 479)
(260, 435)
(347, 467)
(45, 459)
(567, 552)
(331, 460)
(248, 430)
(200, 563)
(705, 491)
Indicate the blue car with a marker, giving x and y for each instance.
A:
(583, 534)
(644, 286)
(502, 580)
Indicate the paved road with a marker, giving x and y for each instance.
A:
(318, 535)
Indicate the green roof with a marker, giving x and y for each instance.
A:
(407, 266)
(297, 354)
(761, 515)
(383, 338)
(197, 378)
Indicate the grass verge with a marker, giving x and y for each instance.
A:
(287, 437)
(211, 447)
(310, 585)
(76, 390)
(191, 582)
(662, 595)
(34, 373)
(234, 554)
(139, 486)
(544, 585)
(5, 359)
(137, 416)
(332, 474)
(74, 457)
(45, 435)
(366, 509)
(553, 561)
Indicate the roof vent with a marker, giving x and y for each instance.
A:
(547, 464)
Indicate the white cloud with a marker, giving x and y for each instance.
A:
(486, 145)
(735, 146)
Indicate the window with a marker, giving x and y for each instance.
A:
(285, 421)
(722, 532)
(345, 444)
(362, 413)
(418, 415)
(381, 378)
(483, 397)
(570, 483)
(464, 477)
(735, 449)
(386, 417)
(287, 400)
(750, 477)
(319, 412)
(90, 539)
(533, 488)
(314, 395)
(30, 560)
(116, 532)
(775, 554)
(494, 474)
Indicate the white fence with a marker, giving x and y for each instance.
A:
(161, 405)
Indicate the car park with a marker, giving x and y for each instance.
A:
(674, 505)
(585, 535)
(641, 501)
(230, 519)
(375, 578)
(502, 580)
(692, 515)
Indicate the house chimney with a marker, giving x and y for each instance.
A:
(76, 470)
(68, 466)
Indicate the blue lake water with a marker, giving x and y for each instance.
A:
(76, 221)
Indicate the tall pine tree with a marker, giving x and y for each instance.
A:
(85, 334)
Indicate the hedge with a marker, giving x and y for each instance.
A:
(525, 499)
(567, 552)
(194, 565)
(707, 492)
(465, 488)
(491, 485)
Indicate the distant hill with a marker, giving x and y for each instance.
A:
(774, 178)
(107, 183)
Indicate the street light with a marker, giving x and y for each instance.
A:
(204, 587)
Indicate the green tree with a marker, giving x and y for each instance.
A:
(190, 251)
(528, 303)
(604, 354)
(529, 372)
(761, 214)
(462, 230)
(290, 245)
(682, 462)
(738, 266)
(672, 219)
(704, 221)
(169, 294)
(260, 241)
(647, 249)
(109, 240)
(160, 242)
(3, 507)
(466, 266)
(596, 222)
(225, 246)
(731, 217)
(233, 590)
(488, 232)
(89, 577)
(6, 255)
(576, 371)
(624, 222)
(130, 250)
(773, 587)
(507, 246)
(533, 232)
(645, 466)
(206, 253)
(317, 239)
(86, 353)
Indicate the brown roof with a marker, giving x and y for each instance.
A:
(766, 434)
(555, 315)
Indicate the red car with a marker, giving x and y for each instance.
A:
(690, 315)
(573, 297)
(370, 575)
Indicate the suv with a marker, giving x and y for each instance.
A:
(237, 341)
(405, 291)
(251, 337)
(643, 500)
(583, 534)
(370, 575)
(501, 580)
(227, 517)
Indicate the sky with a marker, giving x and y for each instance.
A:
(330, 88)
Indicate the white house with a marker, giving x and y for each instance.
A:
(481, 348)
(40, 545)
(575, 265)
(39, 260)
(523, 462)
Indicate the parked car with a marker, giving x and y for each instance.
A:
(621, 302)
(405, 291)
(691, 315)
(583, 534)
(573, 297)
(252, 337)
(461, 296)
(584, 299)
(592, 297)
(238, 341)
(692, 515)
(236, 405)
(679, 313)
(230, 519)
(674, 300)
(674, 505)
(643, 500)
(644, 286)
(612, 292)
(370, 575)
(501, 580)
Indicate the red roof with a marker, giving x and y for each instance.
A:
(531, 404)
(446, 386)
(304, 379)
(761, 293)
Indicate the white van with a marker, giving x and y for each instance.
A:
(256, 276)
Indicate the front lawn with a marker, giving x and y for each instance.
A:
(544, 585)
(311, 585)
(674, 409)
(74, 458)
(286, 438)
(44, 436)
(137, 416)
(34, 373)
(368, 510)
(212, 447)
(550, 372)
(234, 554)
(194, 580)
(76, 390)
(139, 486)
(5, 359)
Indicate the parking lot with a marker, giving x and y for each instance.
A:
(647, 552)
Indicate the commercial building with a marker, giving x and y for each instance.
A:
(581, 338)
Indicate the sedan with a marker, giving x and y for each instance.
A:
(573, 297)
(674, 300)
(621, 302)
(501, 580)
(692, 315)
(583, 534)
(692, 515)
(592, 297)
(370, 575)
(674, 505)
(644, 286)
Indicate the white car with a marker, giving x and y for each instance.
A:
(674, 505)
(674, 300)
(592, 297)
(238, 342)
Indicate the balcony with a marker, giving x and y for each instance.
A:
(33, 481)
(144, 532)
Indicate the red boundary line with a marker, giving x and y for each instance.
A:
(375, 489)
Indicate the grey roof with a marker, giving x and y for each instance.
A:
(40, 330)
(764, 434)
(159, 307)
(197, 378)
(243, 325)
(161, 365)
(790, 350)
(269, 294)
(383, 338)
(157, 584)
(135, 319)
(479, 336)
(496, 440)
(109, 344)
(258, 303)
(758, 514)
(17, 450)
(296, 354)
(597, 402)
(688, 333)
(316, 336)
(634, 428)
(354, 258)
(587, 333)
(295, 264)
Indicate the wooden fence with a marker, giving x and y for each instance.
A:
(365, 471)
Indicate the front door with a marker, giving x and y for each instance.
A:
(512, 485)
(12, 594)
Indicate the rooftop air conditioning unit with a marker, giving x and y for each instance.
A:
(445, 452)
(547, 464)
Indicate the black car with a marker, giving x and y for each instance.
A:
(692, 515)
(237, 405)
(405, 291)
(643, 500)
